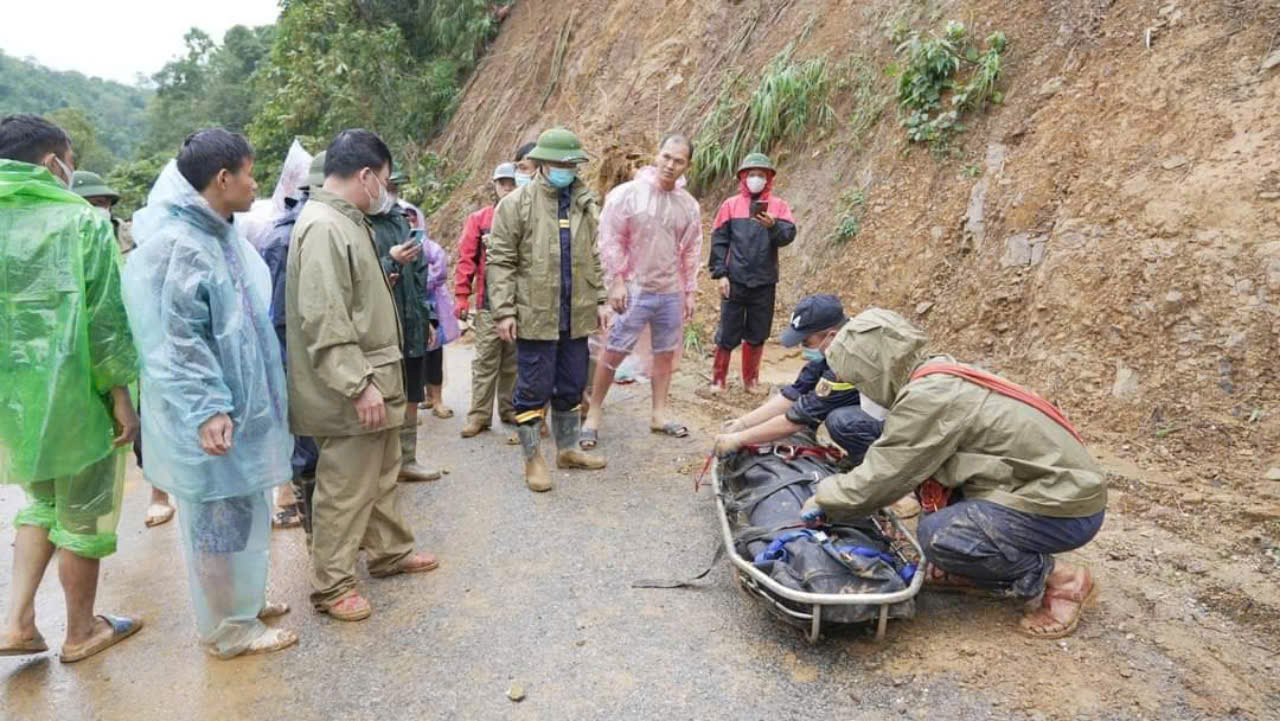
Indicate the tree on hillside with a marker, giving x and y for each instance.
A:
(90, 153)
(211, 85)
(115, 112)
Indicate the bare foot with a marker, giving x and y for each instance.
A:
(1066, 592)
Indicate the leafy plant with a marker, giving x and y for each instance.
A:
(868, 100)
(928, 72)
(792, 95)
(693, 339)
(849, 221)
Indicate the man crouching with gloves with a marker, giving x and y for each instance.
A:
(1006, 476)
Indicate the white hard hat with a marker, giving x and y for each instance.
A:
(505, 170)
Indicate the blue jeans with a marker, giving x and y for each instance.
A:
(999, 548)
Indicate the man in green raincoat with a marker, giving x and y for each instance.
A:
(66, 360)
(1007, 478)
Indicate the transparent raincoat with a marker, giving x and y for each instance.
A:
(64, 344)
(198, 295)
(651, 239)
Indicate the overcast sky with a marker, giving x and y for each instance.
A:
(117, 40)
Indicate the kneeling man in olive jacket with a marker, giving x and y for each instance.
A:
(1007, 478)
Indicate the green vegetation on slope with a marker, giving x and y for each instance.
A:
(114, 112)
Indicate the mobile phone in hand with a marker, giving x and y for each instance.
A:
(416, 235)
(758, 207)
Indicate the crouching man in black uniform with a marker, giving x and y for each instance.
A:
(815, 398)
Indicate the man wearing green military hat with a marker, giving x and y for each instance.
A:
(547, 295)
(92, 188)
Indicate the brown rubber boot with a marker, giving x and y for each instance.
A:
(410, 470)
(536, 474)
(568, 426)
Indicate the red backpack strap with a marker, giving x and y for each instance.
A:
(996, 384)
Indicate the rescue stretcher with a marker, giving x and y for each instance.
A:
(803, 609)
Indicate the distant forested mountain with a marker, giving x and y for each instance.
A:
(115, 113)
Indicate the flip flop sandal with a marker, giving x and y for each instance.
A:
(424, 406)
(673, 429)
(158, 514)
(351, 607)
(588, 438)
(1074, 622)
(289, 516)
(273, 639)
(25, 648)
(441, 412)
(121, 628)
(272, 609)
(513, 439)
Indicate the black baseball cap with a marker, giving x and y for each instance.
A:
(813, 314)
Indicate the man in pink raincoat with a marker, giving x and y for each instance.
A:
(650, 246)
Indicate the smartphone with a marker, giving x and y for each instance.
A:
(417, 234)
(758, 207)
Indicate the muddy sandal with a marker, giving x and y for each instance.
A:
(1042, 618)
(420, 562)
(25, 647)
(158, 514)
(588, 438)
(271, 640)
(289, 516)
(121, 627)
(671, 428)
(351, 607)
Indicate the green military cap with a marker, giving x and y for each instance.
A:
(90, 185)
(558, 145)
(398, 177)
(757, 161)
(315, 175)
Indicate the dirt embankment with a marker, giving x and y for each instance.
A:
(1109, 234)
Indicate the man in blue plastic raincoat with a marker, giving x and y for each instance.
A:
(216, 404)
(66, 360)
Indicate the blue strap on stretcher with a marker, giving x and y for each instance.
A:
(777, 551)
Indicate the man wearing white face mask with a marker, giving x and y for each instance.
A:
(750, 227)
(346, 377)
(815, 398)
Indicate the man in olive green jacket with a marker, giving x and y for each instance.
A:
(545, 288)
(1022, 486)
(346, 382)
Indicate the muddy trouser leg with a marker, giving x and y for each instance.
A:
(356, 505)
(485, 370)
(999, 548)
(854, 430)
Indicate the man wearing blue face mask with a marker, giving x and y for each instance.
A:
(547, 295)
(815, 398)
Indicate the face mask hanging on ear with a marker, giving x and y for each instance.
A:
(66, 172)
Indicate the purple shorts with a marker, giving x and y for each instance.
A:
(662, 312)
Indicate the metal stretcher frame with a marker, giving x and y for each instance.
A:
(757, 582)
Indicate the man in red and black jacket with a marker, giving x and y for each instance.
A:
(749, 229)
(494, 369)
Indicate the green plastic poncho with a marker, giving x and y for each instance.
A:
(198, 297)
(64, 335)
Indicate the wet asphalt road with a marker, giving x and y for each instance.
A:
(533, 590)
